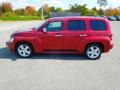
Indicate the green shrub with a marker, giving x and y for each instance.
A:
(9, 14)
(17, 18)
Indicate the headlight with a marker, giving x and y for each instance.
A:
(11, 39)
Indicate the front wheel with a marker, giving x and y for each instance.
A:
(93, 51)
(24, 50)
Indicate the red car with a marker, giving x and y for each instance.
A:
(90, 36)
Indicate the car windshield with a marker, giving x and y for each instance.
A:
(36, 28)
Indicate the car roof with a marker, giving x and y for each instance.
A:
(76, 17)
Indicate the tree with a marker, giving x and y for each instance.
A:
(7, 7)
(46, 9)
(53, 9)
(100, 12)
(93, 11)
(116, 11)
(79, 9)
(1, 10)
(45, 14)
(102, 3)
(59, 9)
(113, 11)
(20, 12)
(30, 10)
(39, 13)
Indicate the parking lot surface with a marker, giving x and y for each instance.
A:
(57, 71)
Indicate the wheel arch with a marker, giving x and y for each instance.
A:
(20, 42)
(97, 43)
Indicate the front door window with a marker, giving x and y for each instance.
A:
(54, 27)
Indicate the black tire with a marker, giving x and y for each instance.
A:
(27, 45)
(92, 55)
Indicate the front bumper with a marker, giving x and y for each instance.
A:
(10, 46)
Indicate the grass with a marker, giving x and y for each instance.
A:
(19, 18)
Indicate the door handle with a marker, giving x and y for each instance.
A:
(83, 35)
(58, 35)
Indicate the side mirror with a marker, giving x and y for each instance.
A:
(44, 30)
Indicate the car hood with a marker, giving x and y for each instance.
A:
(24, 32)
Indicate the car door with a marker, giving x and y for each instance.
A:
(51, 39)
(75, 35)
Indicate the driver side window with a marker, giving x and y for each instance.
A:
(54, 26)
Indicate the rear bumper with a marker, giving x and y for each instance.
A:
(109, 47)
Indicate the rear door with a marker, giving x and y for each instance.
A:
(76, 33)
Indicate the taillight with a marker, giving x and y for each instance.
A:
(111, 36)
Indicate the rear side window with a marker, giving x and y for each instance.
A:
(76, 25)
(98, 25)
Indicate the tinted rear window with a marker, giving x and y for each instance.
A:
(76, 25)
(98, 25)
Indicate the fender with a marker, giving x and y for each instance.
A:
(105, 41)
(35, 41)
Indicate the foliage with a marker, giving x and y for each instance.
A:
(79, 9)
(9, 14)
(53, 9)
(30, 10)
(102, 3)
(47, 10)
(1, 12)
(112, 11)
(20, 12)
(100, 12)
(57, 9)
(7, 7)
(94, 11)
(15, 18)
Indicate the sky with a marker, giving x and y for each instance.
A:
(59, 3)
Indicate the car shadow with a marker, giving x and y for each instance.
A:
(5, 53)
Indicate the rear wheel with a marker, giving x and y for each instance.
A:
(24, 50)
(93, 51)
